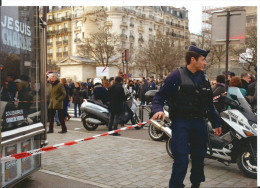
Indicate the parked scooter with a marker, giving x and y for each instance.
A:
(95, 113)
(155, 133)
(239, 144)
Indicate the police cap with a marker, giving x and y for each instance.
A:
(194, 48)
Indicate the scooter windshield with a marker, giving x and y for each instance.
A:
(247, 110)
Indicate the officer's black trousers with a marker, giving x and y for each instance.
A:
(189, 136)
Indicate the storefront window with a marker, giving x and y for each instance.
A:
(19, 52)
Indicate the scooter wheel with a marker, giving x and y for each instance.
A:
(168, 147)
(155, 134)
(247, 164)
(89, 126)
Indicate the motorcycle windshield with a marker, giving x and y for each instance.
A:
(247, 110)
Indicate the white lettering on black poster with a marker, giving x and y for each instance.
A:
(12, 116)
(16, 34)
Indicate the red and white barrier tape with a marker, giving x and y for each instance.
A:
(57, 146)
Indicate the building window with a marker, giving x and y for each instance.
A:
(49, 28)
(50, 17)
(67, 14)
(65, 48)
(78, 24)
(59, 15)
(66, 37)
(123, 19)
(50, 51)
(77, 36)
(59, 50)
(141, 23)
(123, 31)
(58, 27)
(65, 25)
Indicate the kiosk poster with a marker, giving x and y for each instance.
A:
(26, 162)
(11, 166)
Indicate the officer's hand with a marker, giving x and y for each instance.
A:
(218, 131)
(159, 115)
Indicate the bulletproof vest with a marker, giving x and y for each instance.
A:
(191, 100)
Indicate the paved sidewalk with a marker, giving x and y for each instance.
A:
(124, 162)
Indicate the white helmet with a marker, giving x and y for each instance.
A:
(97, 81)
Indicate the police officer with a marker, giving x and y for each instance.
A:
(189, 96)
(152, 85)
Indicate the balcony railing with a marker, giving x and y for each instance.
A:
(77, 40)
(132, 37)
(65, 41)
(59, 54)
(132, 25)
(49, 43)
(123, 36)
(58, 42)
(124, 23)
(65, 54)
(49, 54)
(141, 39)
(140, 28)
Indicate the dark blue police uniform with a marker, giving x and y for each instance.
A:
(187, 95)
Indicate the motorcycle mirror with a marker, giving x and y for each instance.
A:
(234, 97)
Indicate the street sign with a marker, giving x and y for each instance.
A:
(237, 27)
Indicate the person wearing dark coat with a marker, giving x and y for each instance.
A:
(152, 85)
(188, 93)
(77, 98)
(218, 90)
(116, 97)
(100, 92)
(66, 100)
(245, 78)
(141, 92)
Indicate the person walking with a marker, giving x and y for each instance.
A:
(57, 96)
(77, 99)
(189, 96)
(116, 98)
(66, 99)
(141, 92)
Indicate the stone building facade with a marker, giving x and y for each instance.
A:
(135, 25)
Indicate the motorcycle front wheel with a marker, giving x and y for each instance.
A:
(136, 121)
(89, 126)
(155, 133)
(168, 147)
(247, 163)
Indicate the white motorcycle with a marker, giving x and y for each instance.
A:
(239, 143)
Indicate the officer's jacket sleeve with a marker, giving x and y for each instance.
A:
(214, 116)
(168, 89)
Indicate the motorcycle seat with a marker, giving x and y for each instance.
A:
(97, 103)
(217, 140)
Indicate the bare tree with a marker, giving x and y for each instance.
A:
(101, 47)
(159, 56)
(248, 51)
